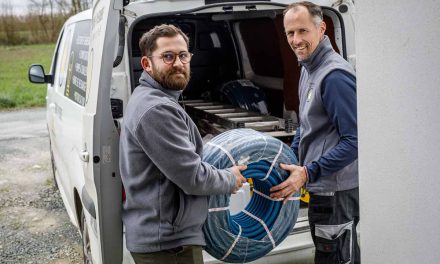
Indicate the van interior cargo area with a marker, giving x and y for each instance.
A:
(214, 118)
(243, 72)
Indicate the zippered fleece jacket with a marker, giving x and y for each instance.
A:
(165, 181)
(325, 137)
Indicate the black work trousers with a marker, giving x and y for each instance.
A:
(333, 218)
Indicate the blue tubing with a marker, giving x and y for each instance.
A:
(221, 229)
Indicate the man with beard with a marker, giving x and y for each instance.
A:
(326, 141)
(165, 180)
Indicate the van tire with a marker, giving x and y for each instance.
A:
(87, 252)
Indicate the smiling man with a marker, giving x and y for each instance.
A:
(326, 141)
(165, 180)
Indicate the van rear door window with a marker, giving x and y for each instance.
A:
(76, 82)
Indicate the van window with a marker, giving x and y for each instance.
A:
(71, 66)
(62, 57)
(76, 81)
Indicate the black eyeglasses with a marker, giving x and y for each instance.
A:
(169, 57)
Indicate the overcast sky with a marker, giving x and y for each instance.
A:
(19, 6)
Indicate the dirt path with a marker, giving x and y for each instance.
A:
(34, 226)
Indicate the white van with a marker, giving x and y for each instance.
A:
(96, 66)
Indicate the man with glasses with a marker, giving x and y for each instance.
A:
(165, 180)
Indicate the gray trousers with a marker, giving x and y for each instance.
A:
(333, 219)
(179, 255)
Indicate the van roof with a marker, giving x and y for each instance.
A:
(84, 15)
(140, 8)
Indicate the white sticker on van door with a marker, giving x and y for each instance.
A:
(106, 154)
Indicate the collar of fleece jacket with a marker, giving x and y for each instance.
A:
(148, 81)
(323, 49)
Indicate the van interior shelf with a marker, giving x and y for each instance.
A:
(216, 117)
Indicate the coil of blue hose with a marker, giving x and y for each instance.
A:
(244, 94)
(263, 223)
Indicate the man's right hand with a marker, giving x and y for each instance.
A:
(297, 178)
(239, 179)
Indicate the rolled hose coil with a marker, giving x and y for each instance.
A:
(264, 223)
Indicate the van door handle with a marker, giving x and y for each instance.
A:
(84, 156)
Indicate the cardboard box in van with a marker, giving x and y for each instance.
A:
(238, 46)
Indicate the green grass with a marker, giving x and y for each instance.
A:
(15, 89)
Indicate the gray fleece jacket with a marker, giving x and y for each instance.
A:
(165, 180)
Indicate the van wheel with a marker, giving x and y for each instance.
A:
(87, 252)
(52, 161)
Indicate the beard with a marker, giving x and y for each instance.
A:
(173, 79)
(303, 54)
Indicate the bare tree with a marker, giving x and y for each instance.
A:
(86, 4)
(38, 8)
(49, 18)
(52, 19)
(75, 6)
(80, 5)
(63, 7)
(7, 23)
(42, 22)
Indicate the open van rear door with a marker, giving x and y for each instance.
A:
(101, 194)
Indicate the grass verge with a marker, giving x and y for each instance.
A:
(15, 89)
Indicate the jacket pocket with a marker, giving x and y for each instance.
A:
(323, 147)
(180, 210)
(334, 243)
(321, 208)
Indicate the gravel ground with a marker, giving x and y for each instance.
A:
(34, 226)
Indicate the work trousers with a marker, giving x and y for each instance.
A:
(333, 218)
(179, 255)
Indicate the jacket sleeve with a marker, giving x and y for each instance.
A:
(295, 143)
(338, 92)
(164, 136)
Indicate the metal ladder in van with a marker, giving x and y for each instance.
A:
(216, 117)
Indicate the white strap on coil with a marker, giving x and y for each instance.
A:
(233, 244)
(269, 234)
(224, 150)
(292, 198)
(273, 163)
(219, 209)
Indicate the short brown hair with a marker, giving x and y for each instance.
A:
(315, 11)
(148, 44)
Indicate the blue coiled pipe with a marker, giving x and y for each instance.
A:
(244, 94)
(221, 229)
